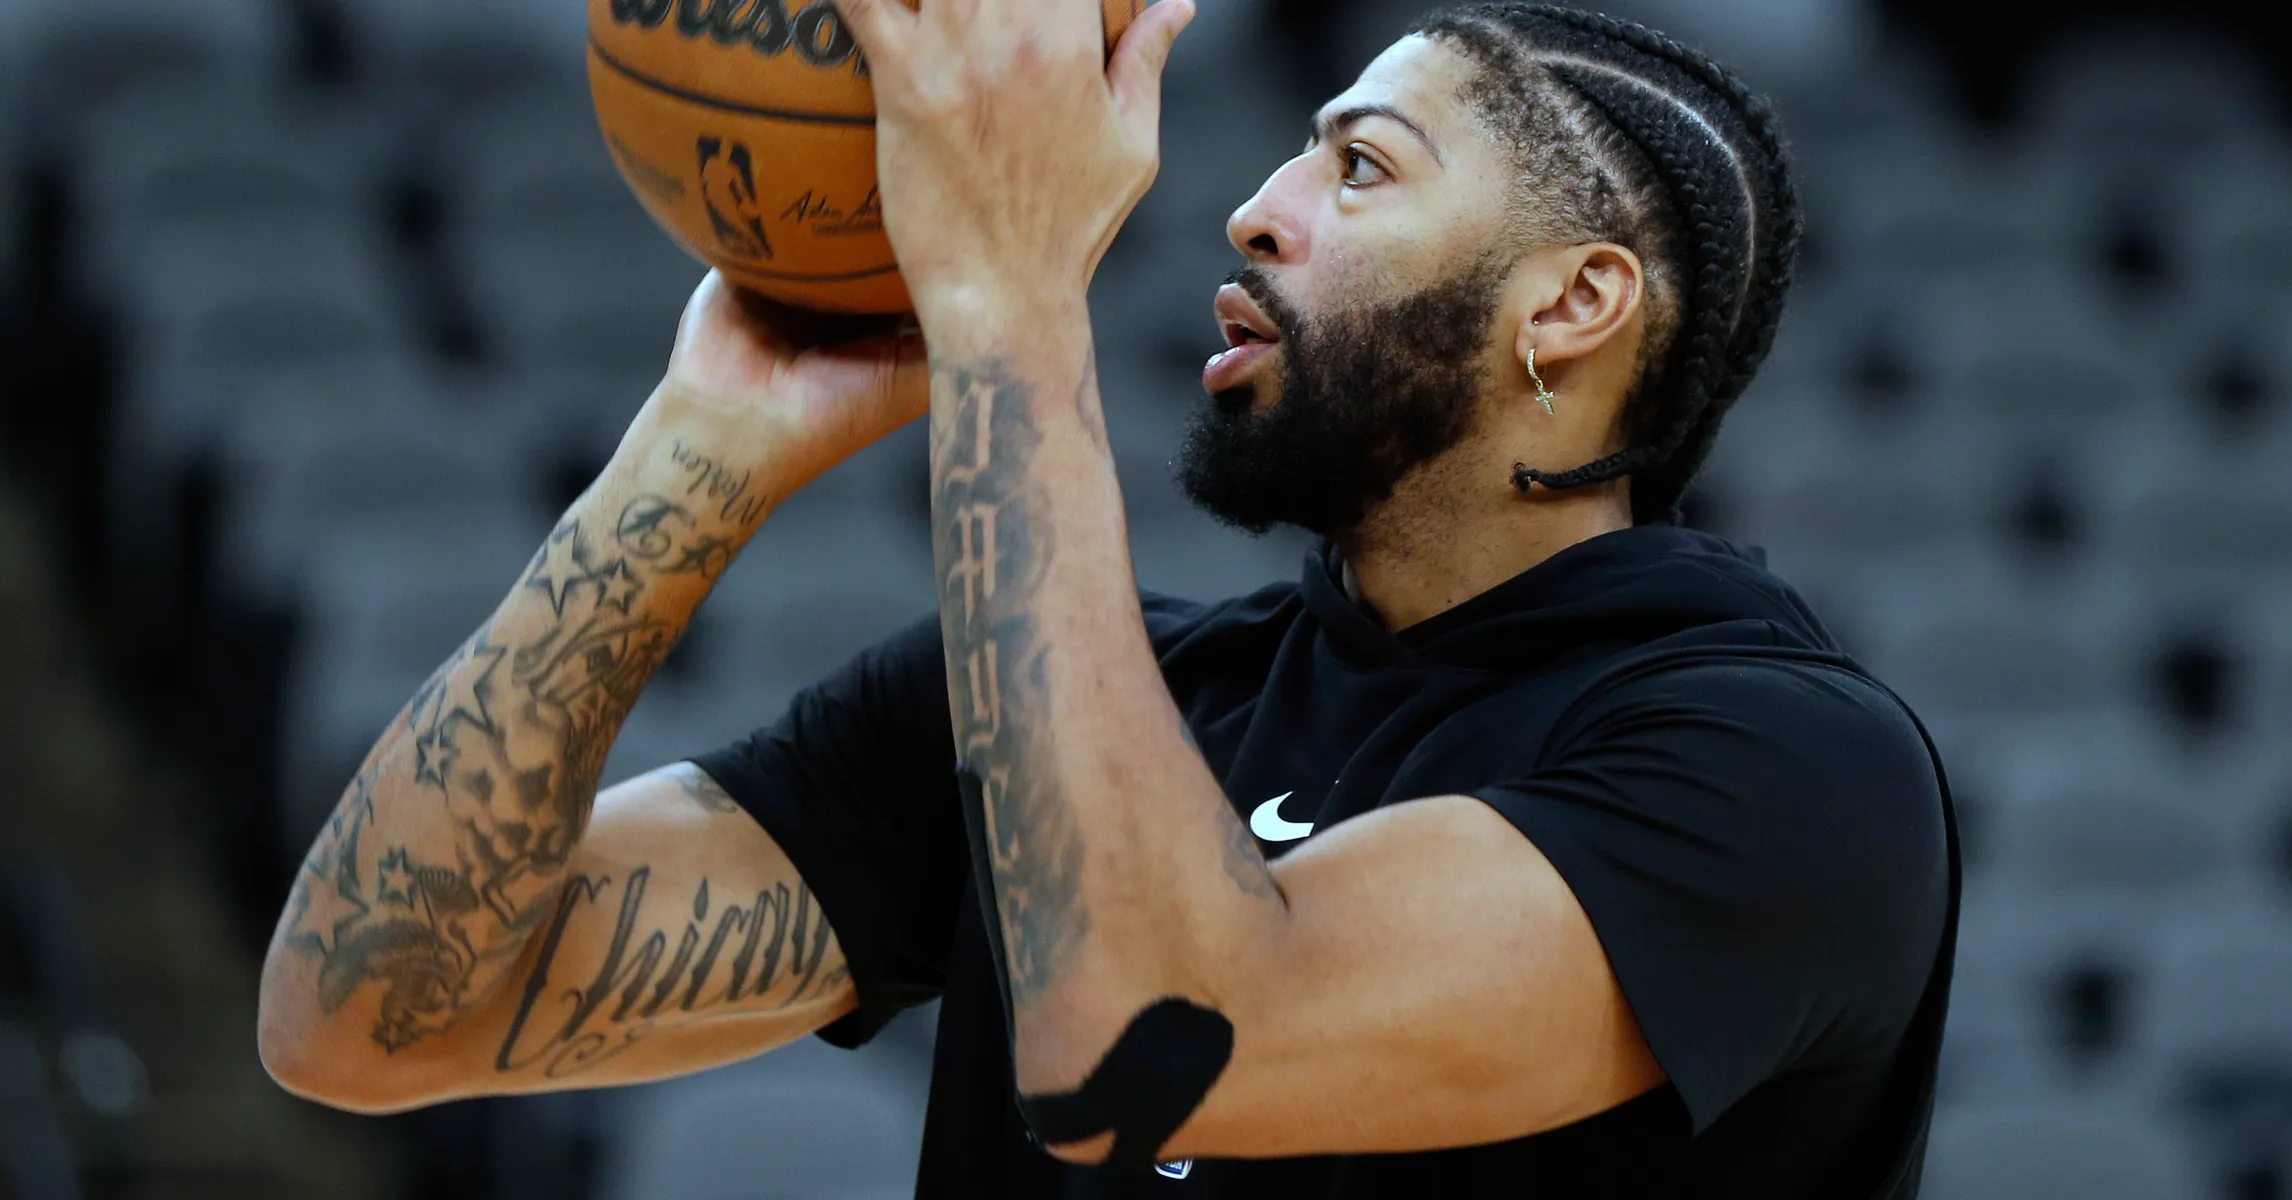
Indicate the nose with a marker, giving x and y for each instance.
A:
(1269, 228)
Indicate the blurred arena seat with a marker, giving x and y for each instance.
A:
(2126, 849)
(433, 55)
(2010, 1152)
(59, 58)
(2209, 510)
(2238, 226)
(532, 156)
(600, 293)
(805, 1122)
(1927, 208)
(2134, 95)
(382, 602)
(273, 511)
(2213, 1037)
(152, 162)
(1992, 1051)
(1975, 630)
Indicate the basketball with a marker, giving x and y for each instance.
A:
(747, 130)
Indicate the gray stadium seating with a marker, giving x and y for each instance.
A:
(803, 1123)
(383, 602)
(2003, 1040)
(2213, 1036)
(2019, 1153)
(155, 161)
(426, 475)
(2129, 94)
(1976, 631)
(59, 58)
(533, 156)
(2238, 226)
(428, 54)
(2135, 839)
(2213, 512)
(601, 293)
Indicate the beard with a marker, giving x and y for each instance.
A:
(1369, 393)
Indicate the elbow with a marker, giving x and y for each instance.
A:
(1138, 1091)
(314, 1068)
(310, 1076)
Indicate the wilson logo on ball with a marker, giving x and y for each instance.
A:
(815, 32)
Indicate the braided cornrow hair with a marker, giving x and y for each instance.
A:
(1624, 135)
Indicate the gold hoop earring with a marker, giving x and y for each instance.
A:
(1544, 394)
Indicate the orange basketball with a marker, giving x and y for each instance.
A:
(747, 129)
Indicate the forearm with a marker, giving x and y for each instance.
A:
(449, 848)
(1093, 797)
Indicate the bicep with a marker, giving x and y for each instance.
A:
(1437, 985)
(683, 939)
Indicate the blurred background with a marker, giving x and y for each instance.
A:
(314, 312)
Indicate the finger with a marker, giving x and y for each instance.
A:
(881, 27)
(1136, 72)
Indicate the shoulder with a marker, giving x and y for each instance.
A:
(1810, 775)
(1822, 713)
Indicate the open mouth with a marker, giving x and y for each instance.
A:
(1242, 321)
(1239, 335)
(1250, 336)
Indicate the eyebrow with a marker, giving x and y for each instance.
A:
(1326, 128)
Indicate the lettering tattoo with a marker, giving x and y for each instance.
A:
(510, 737)
(993, 544)
(713, 484)
(731, 961)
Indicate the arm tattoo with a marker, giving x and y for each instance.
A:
(704, 790)
(736, 960)
(994, 549)
(510, 736)
(1241, 860)
(711, 484)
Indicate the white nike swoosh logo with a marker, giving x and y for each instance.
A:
(1267, 824)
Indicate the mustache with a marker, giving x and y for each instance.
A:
(1258, 282)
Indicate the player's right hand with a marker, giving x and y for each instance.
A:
(814, 389)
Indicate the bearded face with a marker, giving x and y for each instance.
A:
(1313, 419)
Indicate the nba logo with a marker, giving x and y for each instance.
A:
(1175, 1170)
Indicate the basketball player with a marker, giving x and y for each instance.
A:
(1528, 845)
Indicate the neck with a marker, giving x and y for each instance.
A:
(1441, 541)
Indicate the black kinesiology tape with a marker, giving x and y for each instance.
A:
(1159, 1070)
(1148, 1085)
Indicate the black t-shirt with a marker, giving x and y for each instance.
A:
(1759, 833)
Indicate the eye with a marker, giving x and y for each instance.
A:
(1360, 169)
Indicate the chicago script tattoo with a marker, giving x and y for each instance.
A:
(732, 960)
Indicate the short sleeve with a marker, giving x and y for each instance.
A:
(1761, 847)
(857, 784)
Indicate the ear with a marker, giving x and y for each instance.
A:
(1578, 301)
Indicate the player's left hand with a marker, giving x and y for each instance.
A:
(1010, 151)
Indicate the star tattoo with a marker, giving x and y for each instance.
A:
(394, 880)
(618, 588)
(329, 901)
(562, 565)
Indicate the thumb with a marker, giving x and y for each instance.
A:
(1136, 72)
